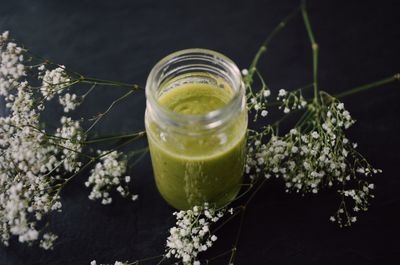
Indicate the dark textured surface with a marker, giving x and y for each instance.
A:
(122, 40)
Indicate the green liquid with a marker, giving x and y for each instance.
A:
(191, 170)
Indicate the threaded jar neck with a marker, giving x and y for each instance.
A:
(194, 66)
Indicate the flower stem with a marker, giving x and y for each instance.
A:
(387, 80)
(91, 161)
(314, 47)
(104, 82)
(227, 220)
(136, 135)
(264, 45)
(140, 154)
(219, 255)
(244, 207)
(145, 259)
(115, 102)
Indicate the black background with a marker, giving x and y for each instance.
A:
(121, 40)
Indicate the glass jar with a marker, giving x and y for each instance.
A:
(197, 145)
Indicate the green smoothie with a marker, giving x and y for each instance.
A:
(192, 169)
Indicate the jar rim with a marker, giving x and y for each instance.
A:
(212, 117)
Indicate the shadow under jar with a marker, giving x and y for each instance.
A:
(196, 124)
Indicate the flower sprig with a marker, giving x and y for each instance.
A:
(292, 100)
(192, 235)
(108, 174)
(36, 163)
(314, 155)
(257, 101)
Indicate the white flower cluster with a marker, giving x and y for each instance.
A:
(291, 100)
(257, 101)
(192, 235)
(48, 240)
(30, 169)
(54, 81)
(69, 101)
(11, 64)
(25, 163)
(70, 140)
(314, 155)
(108, 174)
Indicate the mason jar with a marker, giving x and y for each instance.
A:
(196, 124)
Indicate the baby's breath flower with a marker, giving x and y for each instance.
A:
(192, 235)
(54, 81)
(30, 161)
(108, 174)
(264, 113)
(71, 136)
(321, 156)
(291, 100)
(282, 93)
(69, 101)
(256, 101)
(12, 68)
(267, 93)
(47, 241)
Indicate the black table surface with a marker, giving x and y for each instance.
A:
(121, 40)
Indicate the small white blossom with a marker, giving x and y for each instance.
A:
(264, 113)
(48, 240)
(282, 93)
(291, 100)
(267, 93)
(315, 135)
(69, 102)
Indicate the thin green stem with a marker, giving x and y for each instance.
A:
(227, 220)
(91, 161)
(115, 102)
(244, 207)
(145, 259)
(314, 47)
(387, 80)
(115, 137)
(72, 150)
(254, 63)
(219, 255)
(241, 195)
(161, 261)
(264, 45)
(80, 78)
(142, 153)
(89, 90)
(104, 82)
(255, 192)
